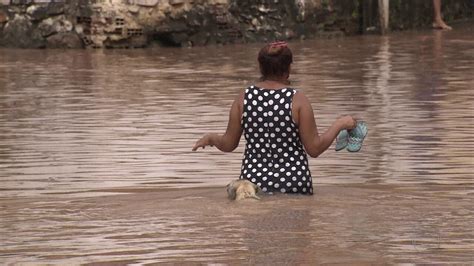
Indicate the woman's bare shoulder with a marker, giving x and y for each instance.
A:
(300, 98)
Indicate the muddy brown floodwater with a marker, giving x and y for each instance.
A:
(96, 163)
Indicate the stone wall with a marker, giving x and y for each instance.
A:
(40, 24)
(141, 23)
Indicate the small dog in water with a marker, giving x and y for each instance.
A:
(241, 189)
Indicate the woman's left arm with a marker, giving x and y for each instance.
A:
(230, 140)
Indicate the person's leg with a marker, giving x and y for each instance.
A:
(438, 22)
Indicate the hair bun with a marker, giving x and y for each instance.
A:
(275, 48)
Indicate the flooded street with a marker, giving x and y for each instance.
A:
(96, 163)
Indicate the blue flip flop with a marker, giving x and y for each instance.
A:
(357, 136)
(342, 139)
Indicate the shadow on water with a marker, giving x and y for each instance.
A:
(76, 125)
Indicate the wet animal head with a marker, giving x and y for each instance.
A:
(241, 189)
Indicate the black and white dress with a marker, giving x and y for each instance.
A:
(274, 157)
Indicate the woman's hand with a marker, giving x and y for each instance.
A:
(206, 140)
(347, 122)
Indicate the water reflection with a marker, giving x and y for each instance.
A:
(77, 124)
(103, 119)
(342, 225)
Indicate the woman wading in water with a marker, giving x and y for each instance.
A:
(279, 128)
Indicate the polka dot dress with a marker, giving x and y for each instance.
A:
(274, 157)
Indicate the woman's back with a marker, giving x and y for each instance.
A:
(277, 122)
(274, 157)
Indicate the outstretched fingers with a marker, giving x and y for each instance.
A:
(201, 143)
(198, 145)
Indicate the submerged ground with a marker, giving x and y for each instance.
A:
(96, 167)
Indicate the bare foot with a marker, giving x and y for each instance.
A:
(441, 25)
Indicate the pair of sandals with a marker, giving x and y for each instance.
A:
(352, 139)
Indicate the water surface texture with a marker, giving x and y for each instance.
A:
(80, 129)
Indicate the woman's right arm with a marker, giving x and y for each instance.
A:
(230, 139)
(314, 143)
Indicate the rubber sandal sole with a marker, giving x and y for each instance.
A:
(342, 140)
(357, 136)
